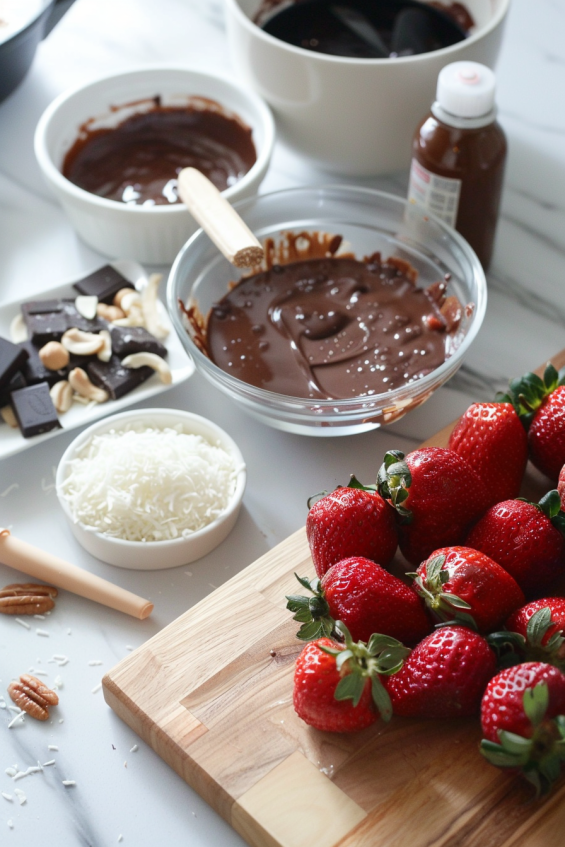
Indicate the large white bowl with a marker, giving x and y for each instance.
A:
(155, 555)
(351, 116)
(152, 235)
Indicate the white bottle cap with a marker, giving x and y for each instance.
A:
(466, 89)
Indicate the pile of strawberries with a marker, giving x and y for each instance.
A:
(474, 628)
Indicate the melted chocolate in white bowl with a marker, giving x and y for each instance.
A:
(365, 29)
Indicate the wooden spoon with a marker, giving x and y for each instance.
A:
(218, 219)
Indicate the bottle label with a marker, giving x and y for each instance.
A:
(438, 194)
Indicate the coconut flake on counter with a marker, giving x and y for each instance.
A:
(142, 483)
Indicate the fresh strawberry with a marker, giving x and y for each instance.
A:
(523, 721)
(492, 439)
(444, 676)
(526, 539)
(437, 496)
(337, 686)
(459, 582)
(351, 521)
(540, 404)
(366, 598)
(533, 633)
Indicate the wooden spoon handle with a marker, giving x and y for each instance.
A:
(219, 219)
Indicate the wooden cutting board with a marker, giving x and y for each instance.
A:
(212, 695)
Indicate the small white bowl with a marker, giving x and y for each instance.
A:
(155, 555)
(153, 235)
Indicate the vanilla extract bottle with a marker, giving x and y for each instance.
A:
(459, 154)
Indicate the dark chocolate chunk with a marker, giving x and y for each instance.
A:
(114, 378)
(12, 359)
(34, 410)
(103, 283)
(35, 371)
(135, 339)
(47, 320)
(16, 382)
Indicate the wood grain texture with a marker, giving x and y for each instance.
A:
(212, 695)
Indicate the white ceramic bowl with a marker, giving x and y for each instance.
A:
(155, 555)
(152, 235)
(351, 116)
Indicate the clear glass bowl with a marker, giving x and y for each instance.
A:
(369, 221)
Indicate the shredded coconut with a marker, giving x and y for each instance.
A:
(147, 484)
(22, 623)
(20, 795)
(68, 782)
(97, 688)
(42, 632)
(10, 488)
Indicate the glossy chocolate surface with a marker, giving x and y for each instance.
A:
(329, 328)
(138, 161)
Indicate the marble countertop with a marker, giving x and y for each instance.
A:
(122, 791)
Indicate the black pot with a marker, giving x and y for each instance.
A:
(17, 52)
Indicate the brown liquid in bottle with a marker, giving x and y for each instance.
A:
(457, 172)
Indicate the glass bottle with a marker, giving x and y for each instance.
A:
(458, 156)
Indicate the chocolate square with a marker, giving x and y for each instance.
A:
(12, 360)
(114, 378)
(103, 283)
(16, 382)
(34, 410)
(47, 320)
(135, 339)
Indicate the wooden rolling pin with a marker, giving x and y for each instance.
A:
(39, 564)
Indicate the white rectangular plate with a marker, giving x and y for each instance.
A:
(12, 441)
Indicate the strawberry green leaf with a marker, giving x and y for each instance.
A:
(381, 699)
(354, 483)
(496, 755)
(342, 658)
(515, 745)
(312, 630)
(297, 603)
(535, 701)
(454, 601)
(394, 480)
(350, 687)
(537, 626)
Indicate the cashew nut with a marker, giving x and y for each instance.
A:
(138, 360)
(105, 354)
(127, 299)
(84, 387)
(18, 329)
(149, 305)
(62, 395)
(8, 416)
(110, 313)
(54, 356)
(82, 343)
(86, 305)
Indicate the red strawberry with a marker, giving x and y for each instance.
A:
(437, 496)
(523, 721)
(457, 582)
(337, 687)
(541, 406)
(520, 620)
(533, 633)
(444, 676)
(351, 521)
(526, 539)
(492, 439)
(366, 598)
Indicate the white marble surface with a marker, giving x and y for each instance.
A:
(132, 796)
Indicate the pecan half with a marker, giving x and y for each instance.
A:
(32, 696)
(27, 599)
